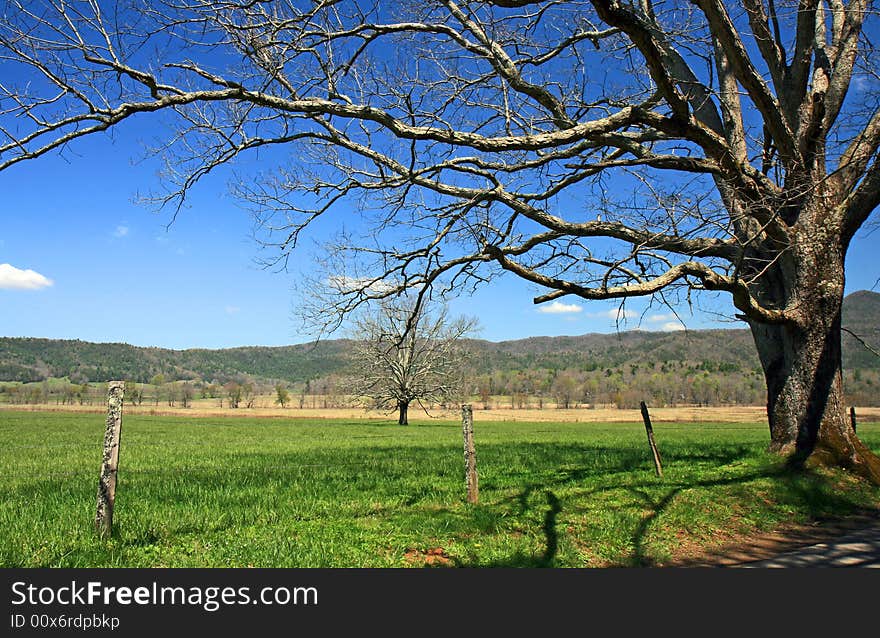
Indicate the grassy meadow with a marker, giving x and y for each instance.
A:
(282, 492)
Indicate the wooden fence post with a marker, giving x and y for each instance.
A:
(658, 467)
(852, 417)
(110, 462)
(470, 454)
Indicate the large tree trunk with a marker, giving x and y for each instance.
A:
(403, 408)
(802, 366)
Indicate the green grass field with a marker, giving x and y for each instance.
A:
(298, 493)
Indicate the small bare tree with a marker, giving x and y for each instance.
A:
(282, 395)
(233, 391)
(407, 353)
(186, 394)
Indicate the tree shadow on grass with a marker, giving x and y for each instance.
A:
(807, 492)
(601, 462)
(413, 476)
(551, 536)
(568, 476)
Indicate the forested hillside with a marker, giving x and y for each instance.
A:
(698, 366)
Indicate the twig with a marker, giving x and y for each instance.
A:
(861, 341)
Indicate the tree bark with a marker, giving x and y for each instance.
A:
(403, 408)
(802, 366)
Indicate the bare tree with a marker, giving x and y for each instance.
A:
(133, 393)
(248, 394)
(404, 354)
(282, 395)
(186, 394)
(600, 149)
(234, 392)
(157, 382)
(564, 388)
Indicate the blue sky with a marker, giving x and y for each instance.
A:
(79, 259)
(118, 272)
(107, 269)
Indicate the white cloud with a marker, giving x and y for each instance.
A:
(12, 278)
(232, 310)
(121, 231)
(860, 83)
(671, 326)
(616, 314)
(559, 308)
(659, 318)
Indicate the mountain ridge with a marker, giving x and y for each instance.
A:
(29, 359)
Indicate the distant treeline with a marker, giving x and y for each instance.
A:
(710, 367)
(31, 359)
(666, 385)
(712, 351)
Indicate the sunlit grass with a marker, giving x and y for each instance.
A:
(350, 493)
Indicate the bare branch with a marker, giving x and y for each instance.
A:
(723, 29)
(406, 352)
(864, 343)
(710, 279)
(547, 131)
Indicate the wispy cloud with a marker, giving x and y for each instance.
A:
(12, 278)
(616, 314)
(672, 326)
(661, 318)
(860, 83)
(120, 232)
(559, 308)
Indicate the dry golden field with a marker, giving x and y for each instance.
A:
(681, 414)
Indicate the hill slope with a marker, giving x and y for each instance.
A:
(861, 315)
(32, 359)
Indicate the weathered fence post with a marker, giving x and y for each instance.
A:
(852, 417)
(470, 454)
(110, 462)
(650, 430)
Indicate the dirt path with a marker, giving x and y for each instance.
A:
(855, 549)
(851, 542)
